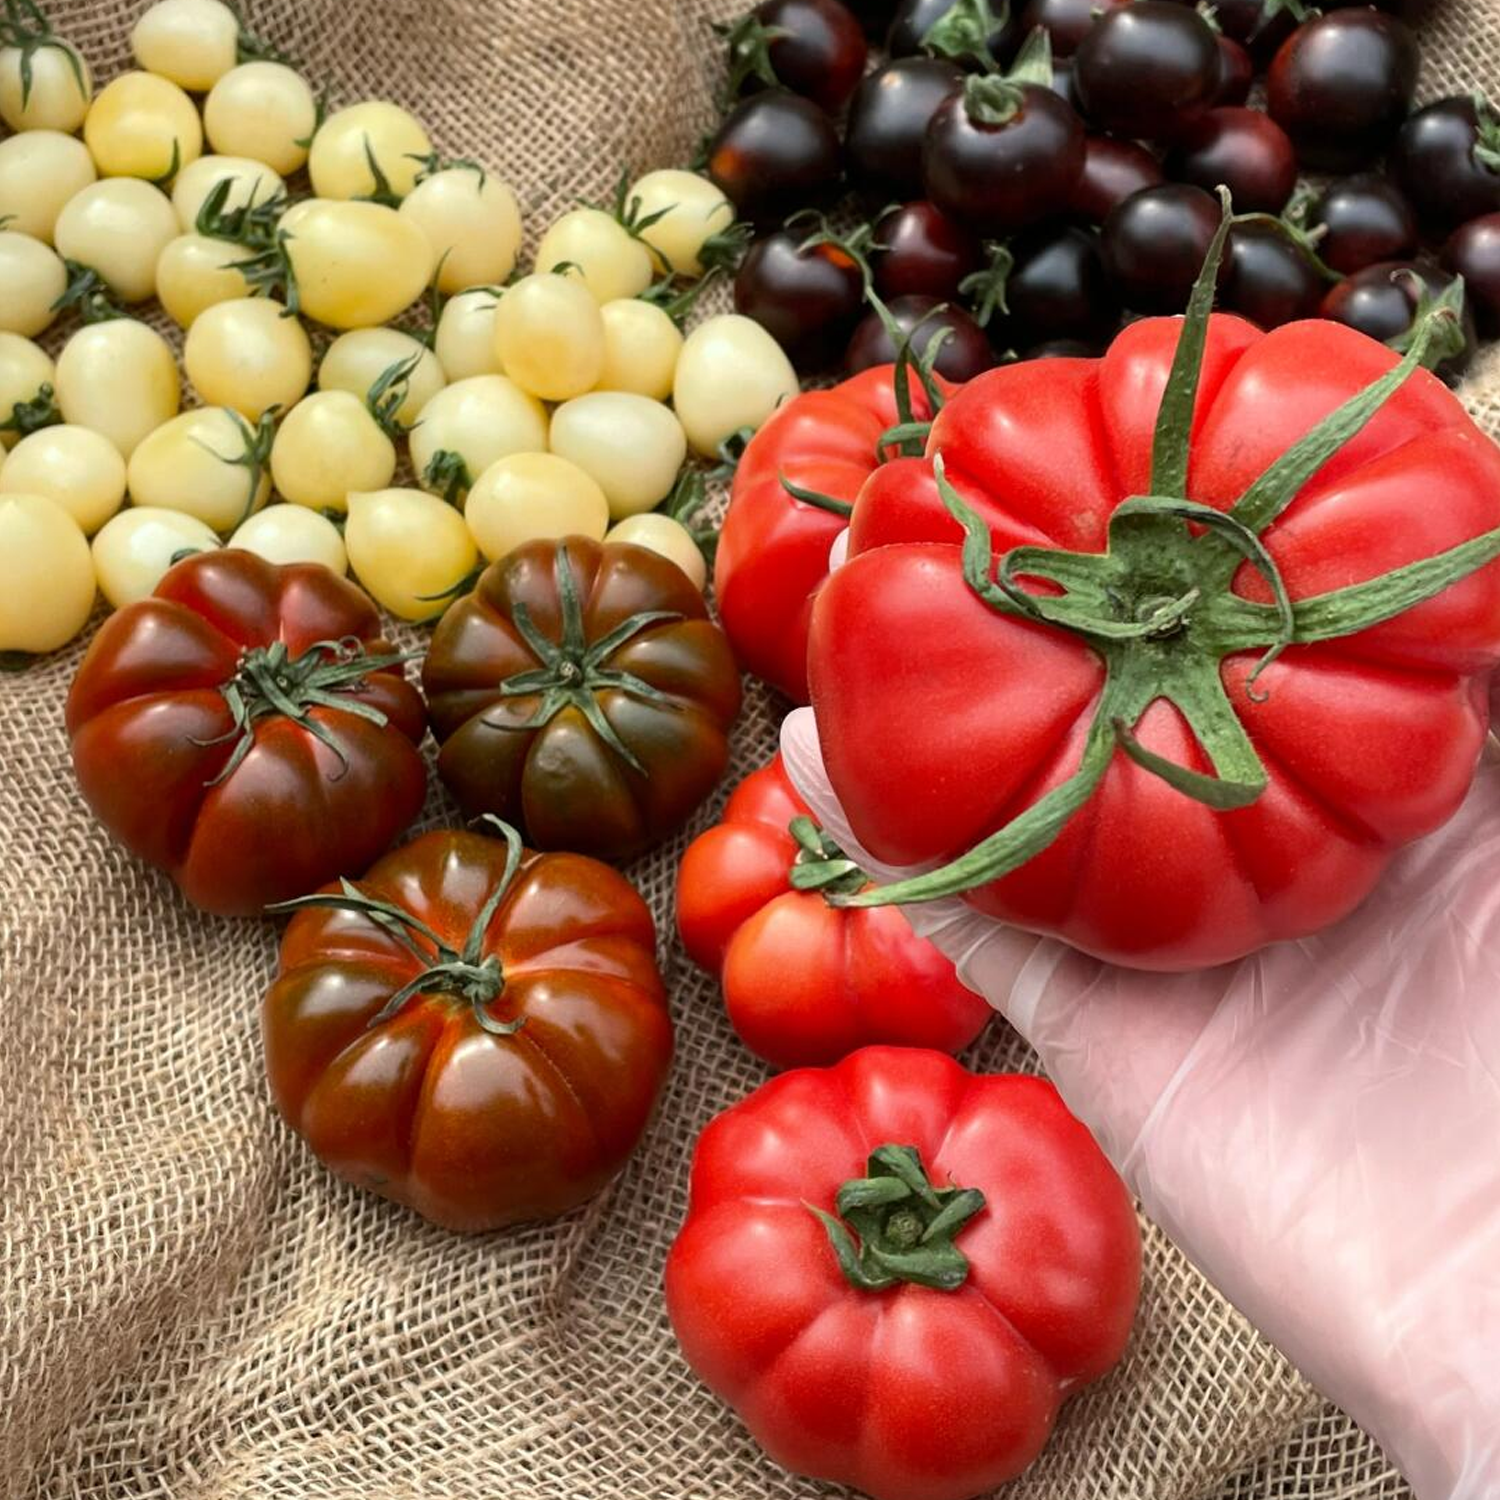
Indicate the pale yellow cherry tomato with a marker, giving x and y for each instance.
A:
(249, 182)
(465, 343)
(248, 355)
(412, 552)
(32, 277)
(327, 445)
(27, 380)
(695, 211)
(46, 575)
(531, 496)
(293, 534)
(133, 552)
(731, 375)
(192, 42)
(208, 462)
(56, 97)
(604, 255)
(641, 345)
(357, 361)
(140, 125)
(670, 538)
(119, 228)
(39, 171)
(120, 379)
(468, 425)
(81, 470)
(263, 110)
(549, 336)
(630, 445)
(356, 264)
(367, 149)
(472, 222)
(196, 273)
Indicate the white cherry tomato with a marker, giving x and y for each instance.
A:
(248, 355)
(468, 425)
(39, 171)
(327, 445)
(208, 462)
(46, 575)
(33, 278)
(192, 42)
(695, 211)
(120, 379)
(356, 264)
(118, 227)
(412, 552)
(731, 375)
(368, 148)
(293, 534)
(133, 551)
(355, 361)
(465, 343)
(27, 380)
(666, 536)
(531, 496)
(263, 110)
(630, 445)
(56, 97)
(641, 345)
(195, 273)
(472, 222)
(140, 125)
(79, 469)
(249, 182)
(606, 257)
(549, 336)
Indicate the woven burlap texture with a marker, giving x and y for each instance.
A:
(191, 1306)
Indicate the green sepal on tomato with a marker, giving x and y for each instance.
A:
(895, 1270)
(807, 982)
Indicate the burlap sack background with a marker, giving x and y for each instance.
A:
(191, 1306)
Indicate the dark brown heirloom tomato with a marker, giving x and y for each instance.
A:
(816, 48)
(1112, 171)
(1058, 289)
(247, 730)
(1361, 220)
(1382, 300)
(1270, 279)
(921, 252)
(1236, 72)
(1066, 22)
(472, 1030)
(965, 354)
(1145, 67)
(1341, 85)
(888, 122)
(774, 153)
(1154, 244)
(1243, 150)
(912, 31)
(582, 693)
(807, 296)
(1473, 252)
(1447, 161)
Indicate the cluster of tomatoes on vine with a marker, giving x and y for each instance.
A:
(1029, 179)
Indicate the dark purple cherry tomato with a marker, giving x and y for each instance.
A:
(1154, 244)
(1143, 68)
(1236, 72)
(1473, 252)
(775, 152)
(818, 50)
(1382, 300)
(1063, 349)
(1341, 85)
(1066, 22)
(1246, 151)
(1360, 220)
(1001, 156)
(1270, 278)
(1445, 160)
(1112, 171)
(964, 354)
(807, 296)
(888, 123)
(1058, 288)
(919, 251)
(1257, 26)
(912, 32)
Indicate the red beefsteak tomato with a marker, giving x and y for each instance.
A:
(895, 1270)
(473, 1030)
(806, 982)
(247, 729)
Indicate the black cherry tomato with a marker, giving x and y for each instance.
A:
(1382, 301)
(1245, 150)
(816, 48)
(1066, 22)
(888, 122)
(774, 153)
(805, 291)
(1473, 252)
(1360, 220)
(1154, 244)
(1058, 288)
(920, 251)
(1236, 71)
(1447, 161)
(963, 355)
(1112, 171)
(1270, 280)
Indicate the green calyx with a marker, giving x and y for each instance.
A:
(254, 456)
(447, 474)
(31, 416)
(909, 434)
(467, 974)
(749, 42)
(1437, 322)
(88, 294)
(820, 864)
(1159, 608)
(1486, 150)
(248, 47)
(990, 100)
(986, 288)
(384, 400)
(962, 33)
(903, 1227)
(251, 225)
(24, 25)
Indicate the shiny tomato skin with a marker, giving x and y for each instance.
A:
(152, 732)
(909, 1393)
(1369, 742)
(474, 1130)
(806, 983)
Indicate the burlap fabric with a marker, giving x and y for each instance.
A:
(191, 1306)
